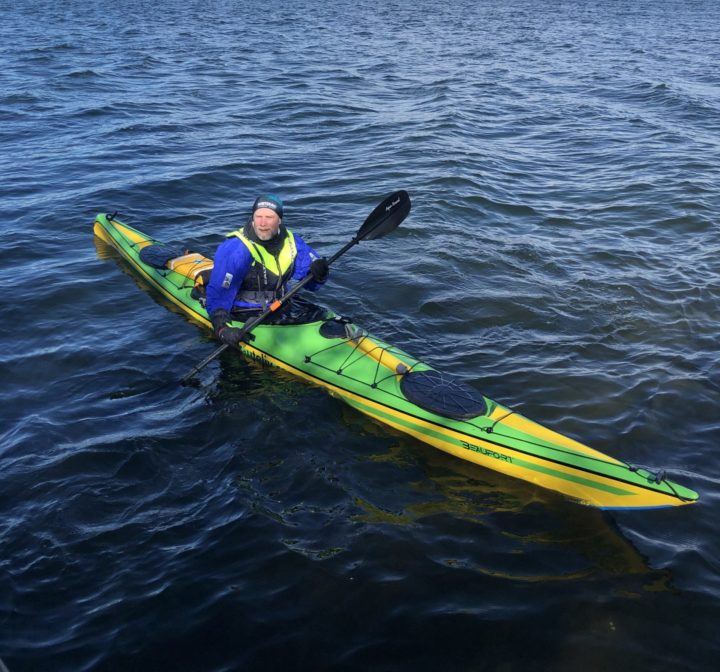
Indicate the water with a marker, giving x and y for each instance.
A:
(561, 256)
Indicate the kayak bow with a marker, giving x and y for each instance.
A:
(397, 390)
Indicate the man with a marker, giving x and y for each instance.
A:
(254, 265)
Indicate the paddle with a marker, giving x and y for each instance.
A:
(385, 218)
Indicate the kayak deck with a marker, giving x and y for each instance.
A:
(397, 390)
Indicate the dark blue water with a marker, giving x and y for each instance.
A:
(561, 256)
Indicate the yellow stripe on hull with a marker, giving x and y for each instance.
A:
(522, 424)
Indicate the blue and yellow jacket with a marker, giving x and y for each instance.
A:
(245, 275)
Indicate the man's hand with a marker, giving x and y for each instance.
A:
(227, 334)
(319, 269)
(232, 336)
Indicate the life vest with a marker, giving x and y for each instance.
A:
(268, 276)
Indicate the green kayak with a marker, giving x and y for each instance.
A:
(395, 389)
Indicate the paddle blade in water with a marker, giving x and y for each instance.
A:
(386, 217)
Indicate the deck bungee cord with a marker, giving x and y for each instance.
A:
(359, 356)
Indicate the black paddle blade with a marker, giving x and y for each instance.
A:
(386, 217)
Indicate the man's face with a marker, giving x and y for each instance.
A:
(266, 223)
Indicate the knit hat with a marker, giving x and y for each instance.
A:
(269, 201)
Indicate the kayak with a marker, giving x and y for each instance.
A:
(396, 389)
